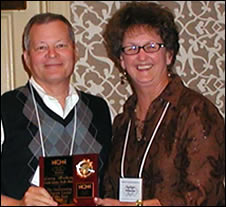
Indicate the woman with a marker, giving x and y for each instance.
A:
(168, 144)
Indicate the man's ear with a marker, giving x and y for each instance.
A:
(26, 59)
(26, 62)
(76, 52)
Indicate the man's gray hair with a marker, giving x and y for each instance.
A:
(43, 19)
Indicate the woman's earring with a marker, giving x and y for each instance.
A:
(123, 77)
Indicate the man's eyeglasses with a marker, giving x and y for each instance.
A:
(148, 48)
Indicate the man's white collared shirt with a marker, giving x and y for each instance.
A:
(53, 104)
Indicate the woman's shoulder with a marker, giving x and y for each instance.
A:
(195, 98)
(200, 106)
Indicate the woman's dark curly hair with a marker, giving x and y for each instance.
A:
(145, 14)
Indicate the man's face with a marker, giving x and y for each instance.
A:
(52, 55)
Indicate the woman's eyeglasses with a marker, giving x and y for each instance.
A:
(148, 48)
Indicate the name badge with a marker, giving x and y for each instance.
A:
(130, 189)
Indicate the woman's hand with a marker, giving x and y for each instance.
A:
(113, 202)
(107, 202)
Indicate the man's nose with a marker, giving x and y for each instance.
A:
(52, 53)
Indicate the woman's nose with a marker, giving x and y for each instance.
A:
(142, 55)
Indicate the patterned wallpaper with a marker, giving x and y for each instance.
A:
(200, 62)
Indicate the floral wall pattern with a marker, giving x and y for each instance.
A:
(200, 62)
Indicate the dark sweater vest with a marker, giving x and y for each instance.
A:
(21, 148)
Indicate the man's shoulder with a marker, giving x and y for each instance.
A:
(87, 97)
(13, 94)
(98, 105)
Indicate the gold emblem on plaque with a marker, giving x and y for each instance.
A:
(85, 168)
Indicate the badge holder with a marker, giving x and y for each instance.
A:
(130, 189)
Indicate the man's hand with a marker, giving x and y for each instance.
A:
(37, 196)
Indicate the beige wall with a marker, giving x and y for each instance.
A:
(201, 59)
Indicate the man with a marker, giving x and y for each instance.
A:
(47, 116)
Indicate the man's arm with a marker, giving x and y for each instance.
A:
(35, 196)
(7, 201)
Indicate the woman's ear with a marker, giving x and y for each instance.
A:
(122, 62)
(169, 57)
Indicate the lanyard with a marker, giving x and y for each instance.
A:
(40, 128)
(147, 148)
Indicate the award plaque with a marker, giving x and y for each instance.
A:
(85, 179)
(70, 180)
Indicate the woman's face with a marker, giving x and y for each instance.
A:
(145, 69)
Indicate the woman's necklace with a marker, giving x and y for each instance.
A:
(139, 124)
